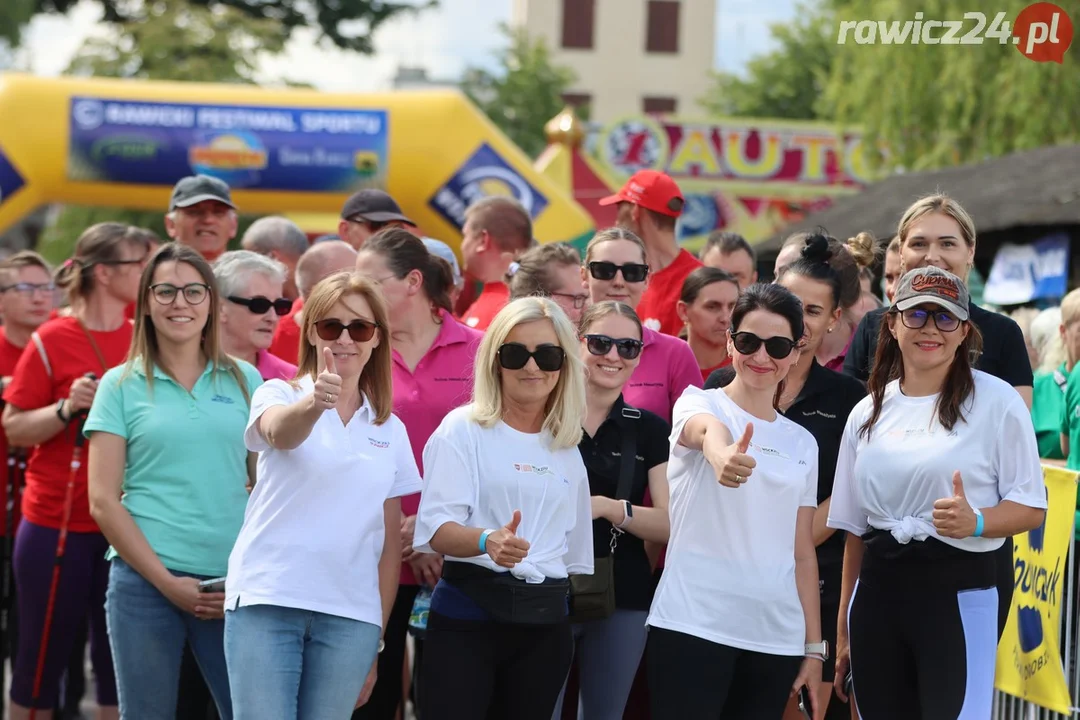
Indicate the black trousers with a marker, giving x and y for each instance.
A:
(386, 696)
(923, 632)
(1005, 582)
(476, 670)
(690, 677)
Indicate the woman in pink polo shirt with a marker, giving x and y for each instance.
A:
(615, 269)
(252, 286)
(432, 371)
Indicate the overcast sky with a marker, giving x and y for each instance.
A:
(444, 41)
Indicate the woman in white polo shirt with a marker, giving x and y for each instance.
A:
(735, 626)
(936, 468)
(506, 499)
(315, 570)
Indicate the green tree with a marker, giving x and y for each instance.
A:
(347, 24)
(787, 82)
(524, 93)
(932, 106)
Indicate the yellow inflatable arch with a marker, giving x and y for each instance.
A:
(124, 143)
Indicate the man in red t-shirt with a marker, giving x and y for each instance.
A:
(202, 215)
(649, 205)
(497, 230)
(320, 260)
(27, 295)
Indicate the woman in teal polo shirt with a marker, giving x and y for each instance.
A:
(167, 475)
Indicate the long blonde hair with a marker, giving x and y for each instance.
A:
(144, 342)
(376, 378)
(565, 409)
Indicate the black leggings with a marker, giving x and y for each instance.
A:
(483, 670)
(1005, 583)
(690, 677)
(923, 632)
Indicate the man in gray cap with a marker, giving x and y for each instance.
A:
(202, 215)
(366, 213)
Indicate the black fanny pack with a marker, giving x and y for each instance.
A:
(508, 599)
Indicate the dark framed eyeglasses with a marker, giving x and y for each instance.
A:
(916, 318)
(747, 343)
(629, 348)
(30, 288)
(260, 305)
(631, 272)
(140, 261)
(359, 330)
(166, 293)
(514, 356)
(576, 301)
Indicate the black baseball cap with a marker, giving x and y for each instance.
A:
(197, 188)
(373, 206)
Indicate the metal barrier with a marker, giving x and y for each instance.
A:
(1009, 707)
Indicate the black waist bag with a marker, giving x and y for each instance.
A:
(506, 598)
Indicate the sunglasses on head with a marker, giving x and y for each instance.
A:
(916, 318)
(628, 348)
(514, 356)
(260, 305)
(359, 330)
(747, 343)
(631, 272)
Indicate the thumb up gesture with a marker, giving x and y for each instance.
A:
(953, 516)
(505, 547)
(730, 462)
(327, 384)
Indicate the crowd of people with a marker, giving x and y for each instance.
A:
(634, 483)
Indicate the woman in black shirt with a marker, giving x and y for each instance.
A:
(610, 647)
(820, 400)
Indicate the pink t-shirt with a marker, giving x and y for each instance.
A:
(442, 381)
(667, 367)
(272, 367)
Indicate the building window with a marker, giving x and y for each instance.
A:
(577, 24)
(662, 30)
(658, 105)
(576, 100)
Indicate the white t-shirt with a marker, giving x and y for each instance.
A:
(892, 481)
(730, 571)
(477, 477)
(313, 530)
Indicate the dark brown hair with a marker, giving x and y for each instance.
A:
(702, 278)
(604, 308)
(958, 386)
(99, 244)
(403, 252)
(534, 273)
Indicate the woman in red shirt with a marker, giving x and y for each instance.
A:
(49, 391)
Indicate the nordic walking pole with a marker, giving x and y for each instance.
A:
(5, 587)
(61, 544)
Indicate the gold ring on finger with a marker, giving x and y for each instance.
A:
(739, 479)
(329, 398)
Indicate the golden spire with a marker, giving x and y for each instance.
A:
(565, 128)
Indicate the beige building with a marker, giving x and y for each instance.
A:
(630, 56)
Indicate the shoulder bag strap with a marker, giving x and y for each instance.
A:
(41, 351)
(97, 350)
(627, 465)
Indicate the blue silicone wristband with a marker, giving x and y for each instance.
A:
(483, 540)
(978, 525)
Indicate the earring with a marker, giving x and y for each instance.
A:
(830, 330)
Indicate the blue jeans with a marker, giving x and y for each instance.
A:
(289, 664)
(147, 634)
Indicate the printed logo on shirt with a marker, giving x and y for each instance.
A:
(533, 469)
(770, 451)
(451, 379)
(472, 321)
(639, 458)
(379, 443)
(223, 399)
(646, 384)
(819, 413)
(651, 323)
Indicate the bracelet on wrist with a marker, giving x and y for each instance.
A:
(979, 521)
(483, 540)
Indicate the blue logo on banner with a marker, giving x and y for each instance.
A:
(10, 179)
(1028, 618)
(484, 174)
(1051, 266)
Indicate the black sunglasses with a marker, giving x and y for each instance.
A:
(748, 343)
(260, 305)
(629, 348)
(916, 318)
(514, 356)
(631, 272)
(359, 330)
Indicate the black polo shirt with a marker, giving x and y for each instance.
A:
(1004, 352)
(602, 455)
(822, 407)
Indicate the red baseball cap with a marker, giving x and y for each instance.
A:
(652, 190)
